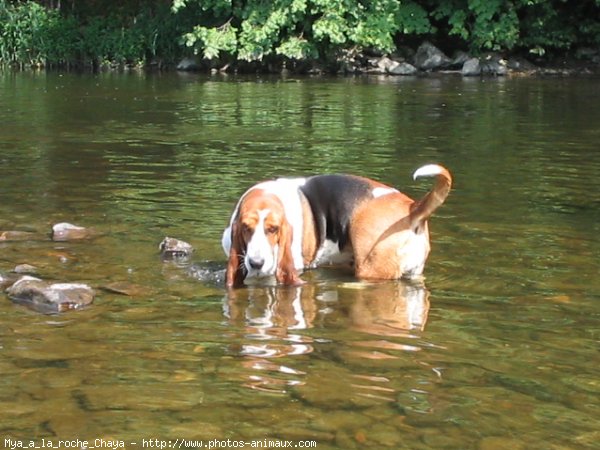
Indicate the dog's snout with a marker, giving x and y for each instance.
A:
(256, 263)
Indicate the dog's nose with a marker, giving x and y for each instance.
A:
(256, 263)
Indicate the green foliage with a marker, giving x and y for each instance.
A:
(300, 29)
(115, 39)
(296, 29)
(297, 48)
(32, 35)
(560, 25)
(61, 43)
(130, 32)
(213, 40)
(534, 25)
(412, 18)
(484, 24)
(24, 33)
(104, 39)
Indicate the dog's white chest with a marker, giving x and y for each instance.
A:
(330, 254)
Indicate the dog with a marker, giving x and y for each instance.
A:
(283, 226)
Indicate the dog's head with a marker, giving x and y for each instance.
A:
(261, 239)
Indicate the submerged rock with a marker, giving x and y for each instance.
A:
(208, 272)
(25, 269)
(50, 298)
(125, 288)
(8, 279)
(171, 248)
(67, 232)
(13, 235)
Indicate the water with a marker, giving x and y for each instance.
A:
(499, 349)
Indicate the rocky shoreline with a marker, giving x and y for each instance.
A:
(426, 59)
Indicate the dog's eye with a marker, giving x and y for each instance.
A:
(272, 229)
(246, 228)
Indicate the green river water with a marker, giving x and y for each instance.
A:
(499, 349)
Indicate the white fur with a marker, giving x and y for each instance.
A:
(429, 170)
(287, 190)
(413, 254)
(226, 240)
(259, 248)
(381, 191)
(330, 253)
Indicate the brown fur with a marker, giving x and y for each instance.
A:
(388, 234)
(277, 229)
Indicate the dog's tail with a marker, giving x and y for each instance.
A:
(422, 209)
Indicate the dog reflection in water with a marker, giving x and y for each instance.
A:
(270, 319)
(387, 308)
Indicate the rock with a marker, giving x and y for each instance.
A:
(171, 248)
(351, 61)
(459, 59)
(386, 65)
(8, 279)
(493, 64)
(208, 272)
(471, 68)
(68, 232)
(383, 64)
(25, 269)
(402, 68)
(188, 64)
(125, 288)
(429, 57)
(50, 298)
(517, 64)
(18, 236)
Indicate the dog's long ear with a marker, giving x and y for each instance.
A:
(286, 271)
(236, 272)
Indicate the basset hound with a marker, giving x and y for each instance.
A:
(280, 227)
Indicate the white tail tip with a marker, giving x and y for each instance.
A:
(428, 170)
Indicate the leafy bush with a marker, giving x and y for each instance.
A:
(485, 24)
(300, 29)
(23, 33)
(297, 29)
(107, 41)
(32, 35)
(135, 33)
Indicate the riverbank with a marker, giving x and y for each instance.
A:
(388, 37)
(425, 59)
